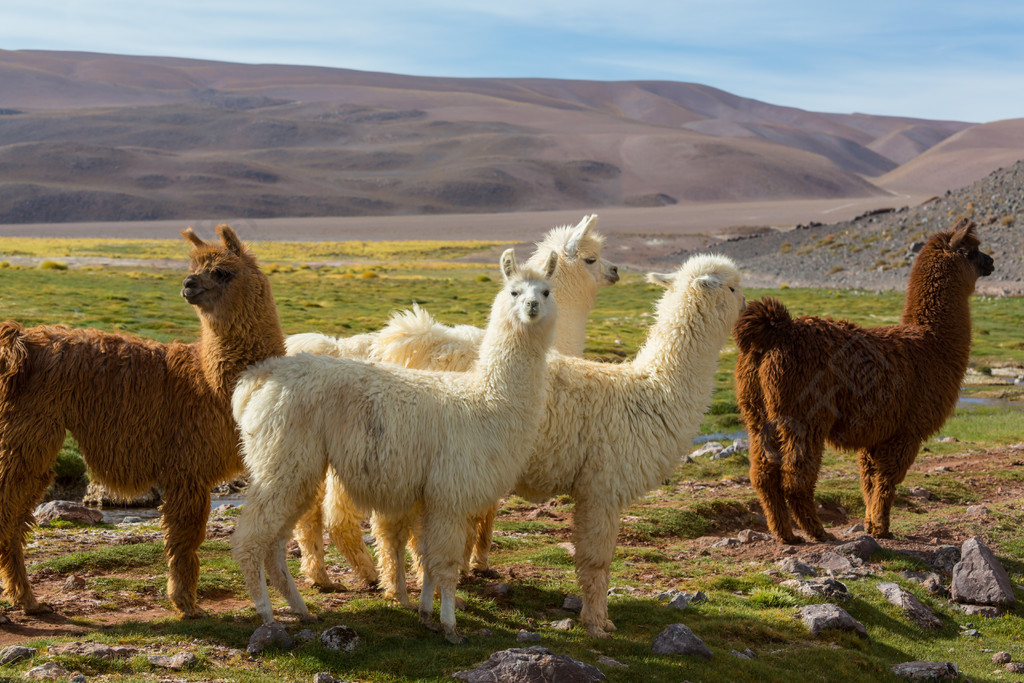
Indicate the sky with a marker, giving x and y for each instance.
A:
(935, 60)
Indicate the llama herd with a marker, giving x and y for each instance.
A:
(425, 427)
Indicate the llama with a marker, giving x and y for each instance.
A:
(444, 444)
(612, 432)
(143, 412)
(414, 340)
(882, 390)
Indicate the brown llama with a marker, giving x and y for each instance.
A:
(882, 390)
(143, 412)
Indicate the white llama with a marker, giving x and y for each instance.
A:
(444, 444)
(414, 340)
(613, 432)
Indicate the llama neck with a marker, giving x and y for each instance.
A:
(570, 331)
(940, 306)
(226, 349)
(513, 360)
(683, 343)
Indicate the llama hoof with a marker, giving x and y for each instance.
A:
(597, 632)
(609, 626)
(428, 622)
(331, 587)
(39, 608)
(486, 573)
(454, 637)
(825, 536)
(791, 540)
(308, 618)
(193, 613)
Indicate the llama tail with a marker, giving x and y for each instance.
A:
(761, 325)
(13, 357)
(407, 338)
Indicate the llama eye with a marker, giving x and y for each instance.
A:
(546, 292)
(515, 292)
(222, 274)
(732, 289)
(590, 261)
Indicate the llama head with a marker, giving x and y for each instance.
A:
(953, 257)
(527, 292)
(708, 283)
(581, 270)
(223, 280)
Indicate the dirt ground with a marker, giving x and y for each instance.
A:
(979, 470)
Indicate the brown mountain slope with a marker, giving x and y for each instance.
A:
(84, 134)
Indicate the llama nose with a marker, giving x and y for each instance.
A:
(190, 288)
(533, 308)
(614, 277)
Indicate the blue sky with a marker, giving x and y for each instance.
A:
(937, 60)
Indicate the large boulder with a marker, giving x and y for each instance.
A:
(68, 511)
(678, 639)
(818, 618)
(927, 671)
(531, 665)
(979, 579)
(915, 609)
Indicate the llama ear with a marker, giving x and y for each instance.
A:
(190, 235)
(964, 227)
(549, 267)
(508, 264)
(572, 247)
(661, 279)
(230, 239)
(709, 281)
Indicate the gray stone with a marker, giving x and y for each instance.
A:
(678, 639)
(1002, 658)
(915, 609)
(980, 610)
(855, 529)
(525, 636)
(16, 653)
(573, 603)
(751, 536)
(970, 633)
(174, 662)
(712, 447)
(818, 618)
(926, 671)
(726, 452)
(78, 677)
(683, 600)
(73, 583)
(306, 635)
(485, 633)
(50, 671)
(605, 660)
(341, 637)
(863, 548)
(269, 635)
(795, 566)
(832, 562)
(727, 543)
(976, 511)
(531, 665)
(945, 557)
(979, 579)
(741, 445)
(562, 624)
(919, 492)
(67, 510)
(132, 520)
(931, 581)
(90, 649)
(1014, 667)
(745, 654)
(826, 587)
(323, 677)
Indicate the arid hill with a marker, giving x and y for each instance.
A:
(90, 137)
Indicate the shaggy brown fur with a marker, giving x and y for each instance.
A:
(143, 412)
(801, 383)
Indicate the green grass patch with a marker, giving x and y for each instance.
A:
(127, 556)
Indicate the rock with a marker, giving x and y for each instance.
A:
(73, 583)
(50, 671)
(678, 639)
(341, 638)
(90, 649)
(832, 562)
(915, 609)
(855, 529)
(741, 445)
(945, 557)
(711, 447)
(323, 677)
(562, 625)
(269, 635)
(931, 581)
(497, 589)
(745, 654)
(926, 671)
(525, 636)
(980, 610)
(970, 633)
(818, 618)
(726, 452)
(132, 520)
(621, 590)
(174, 662)
(605, 660)
(16, 653)
(305, 635)
(751, 536)
(78, 677)
(95, 494)
(531, 665)
(919, 492)
(825, 587)
(979, 579)
(863, 547)
(1001, 658)
(727, 543)
(67, 510)
(976, 511)
(795, 566)
(573, 603)
(485, 633)
(1014, 667)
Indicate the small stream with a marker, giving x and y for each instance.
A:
(115, 515)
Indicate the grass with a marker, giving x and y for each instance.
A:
(746, 609)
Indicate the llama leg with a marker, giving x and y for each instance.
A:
(281, 578)
(251, 547)
(483, 534)
(766, 478)
(391, 534)
(442, 541)
(25, 473)
(799, 477)
(310, 536)
(595, 528)
(185, 511)
(891, 462)
(344, 524)
(867, 485)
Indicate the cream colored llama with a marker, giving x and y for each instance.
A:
(612, 432)
(444, 444)
(413, 340)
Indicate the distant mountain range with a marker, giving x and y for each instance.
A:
(91, 137)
